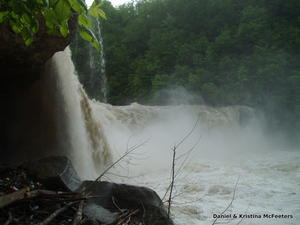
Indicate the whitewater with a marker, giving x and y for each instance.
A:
(222, 154)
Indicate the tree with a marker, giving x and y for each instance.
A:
(24, 17)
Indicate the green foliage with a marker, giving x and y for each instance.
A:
(23, 17)
(89, 36)
(226, 51)
(96, 10)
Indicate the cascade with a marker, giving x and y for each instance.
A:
(104, 87)
(90, 64)
(97, 73)
(78, 134)
(226, 143)
(89, 132)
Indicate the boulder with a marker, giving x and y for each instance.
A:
(96, 213)
(56, 172)
(20, 88)
(25, 62)
(115, 197)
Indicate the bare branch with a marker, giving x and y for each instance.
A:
(186, 154)
(172, 181)
(115, 204)
(78, 216)
(232, 199)
(10, 198)
(84, 190)
(55, 214)
(189, 133)
(127, 217)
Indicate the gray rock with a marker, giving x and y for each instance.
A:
(56, 172)
(114, 197)
(97, 212)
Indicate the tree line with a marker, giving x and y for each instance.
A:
(222, 52)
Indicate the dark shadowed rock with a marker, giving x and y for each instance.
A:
(25, 62)
(21, 70)
(114, 197)
(56, 172)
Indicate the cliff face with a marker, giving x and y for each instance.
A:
(24, 120)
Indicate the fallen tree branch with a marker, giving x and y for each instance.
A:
(78, 216)
(55, 214)
(13, 197)
(127, 216)
(24, 194)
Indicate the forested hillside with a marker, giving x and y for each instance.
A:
(221, 52)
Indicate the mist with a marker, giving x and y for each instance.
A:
(217, 134)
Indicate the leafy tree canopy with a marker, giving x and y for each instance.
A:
(23, 17)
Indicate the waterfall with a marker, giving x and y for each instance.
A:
(104, 87)
(90, 64)
(226, 143)
(78, 135)
(90, 132)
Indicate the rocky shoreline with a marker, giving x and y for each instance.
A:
(49, 191)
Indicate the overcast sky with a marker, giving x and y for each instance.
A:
(114, 2)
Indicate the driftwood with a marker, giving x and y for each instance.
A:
(67, 198)
(27, 200)
(78, 216)
(24, 194)
(10, 198)
(55, 214)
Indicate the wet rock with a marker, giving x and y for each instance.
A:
(115, 197)
(21, 72)
(56, 172)
(98, 213)
(25, 62)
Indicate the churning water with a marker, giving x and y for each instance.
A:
(217, 149)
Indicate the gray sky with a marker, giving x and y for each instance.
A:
(114, 2)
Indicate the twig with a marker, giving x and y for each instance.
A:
(172, 181)
(55, 214)
(186, 154)
(85, 189)
(24, 194)
(241, 220)
(83, 221)
(115, 204)
(189, 133)
(170, 187)
(9, 220)
(128, 216)
(15, 196)
(78, 216)
(232, 199)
